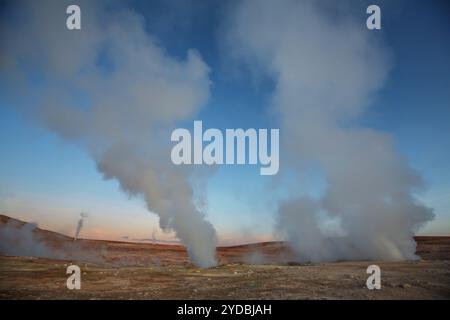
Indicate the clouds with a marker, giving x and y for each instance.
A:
(326, 68)
(112, 89)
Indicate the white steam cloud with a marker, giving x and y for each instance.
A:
(27, 240)
(18, 240)
(112, 89)
(326, 66)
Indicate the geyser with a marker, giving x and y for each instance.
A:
(112, 90)
(326, 65)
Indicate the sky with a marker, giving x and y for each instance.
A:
(45, 179)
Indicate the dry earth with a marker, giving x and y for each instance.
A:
(120, 270)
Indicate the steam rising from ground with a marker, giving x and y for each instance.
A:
(326, 66)
(79, 225)
(111, 89)
(20, 241)
(26, 240)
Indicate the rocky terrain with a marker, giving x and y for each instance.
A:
(125, 270)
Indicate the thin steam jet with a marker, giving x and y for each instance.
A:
(80, 223)
(113, 90)
(326, 67)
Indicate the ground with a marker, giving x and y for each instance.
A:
(118, 270)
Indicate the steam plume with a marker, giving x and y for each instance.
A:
(25, 239)
(326, 67)
(111, 89)
(79, 225)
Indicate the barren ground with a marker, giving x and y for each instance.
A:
(118, 270)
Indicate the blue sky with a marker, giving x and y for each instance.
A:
(47, 180)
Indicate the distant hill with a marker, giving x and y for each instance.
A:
(41, 233)
(26, 239)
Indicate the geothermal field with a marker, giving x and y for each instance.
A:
(33, 265)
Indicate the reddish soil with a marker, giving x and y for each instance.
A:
(125, 270)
